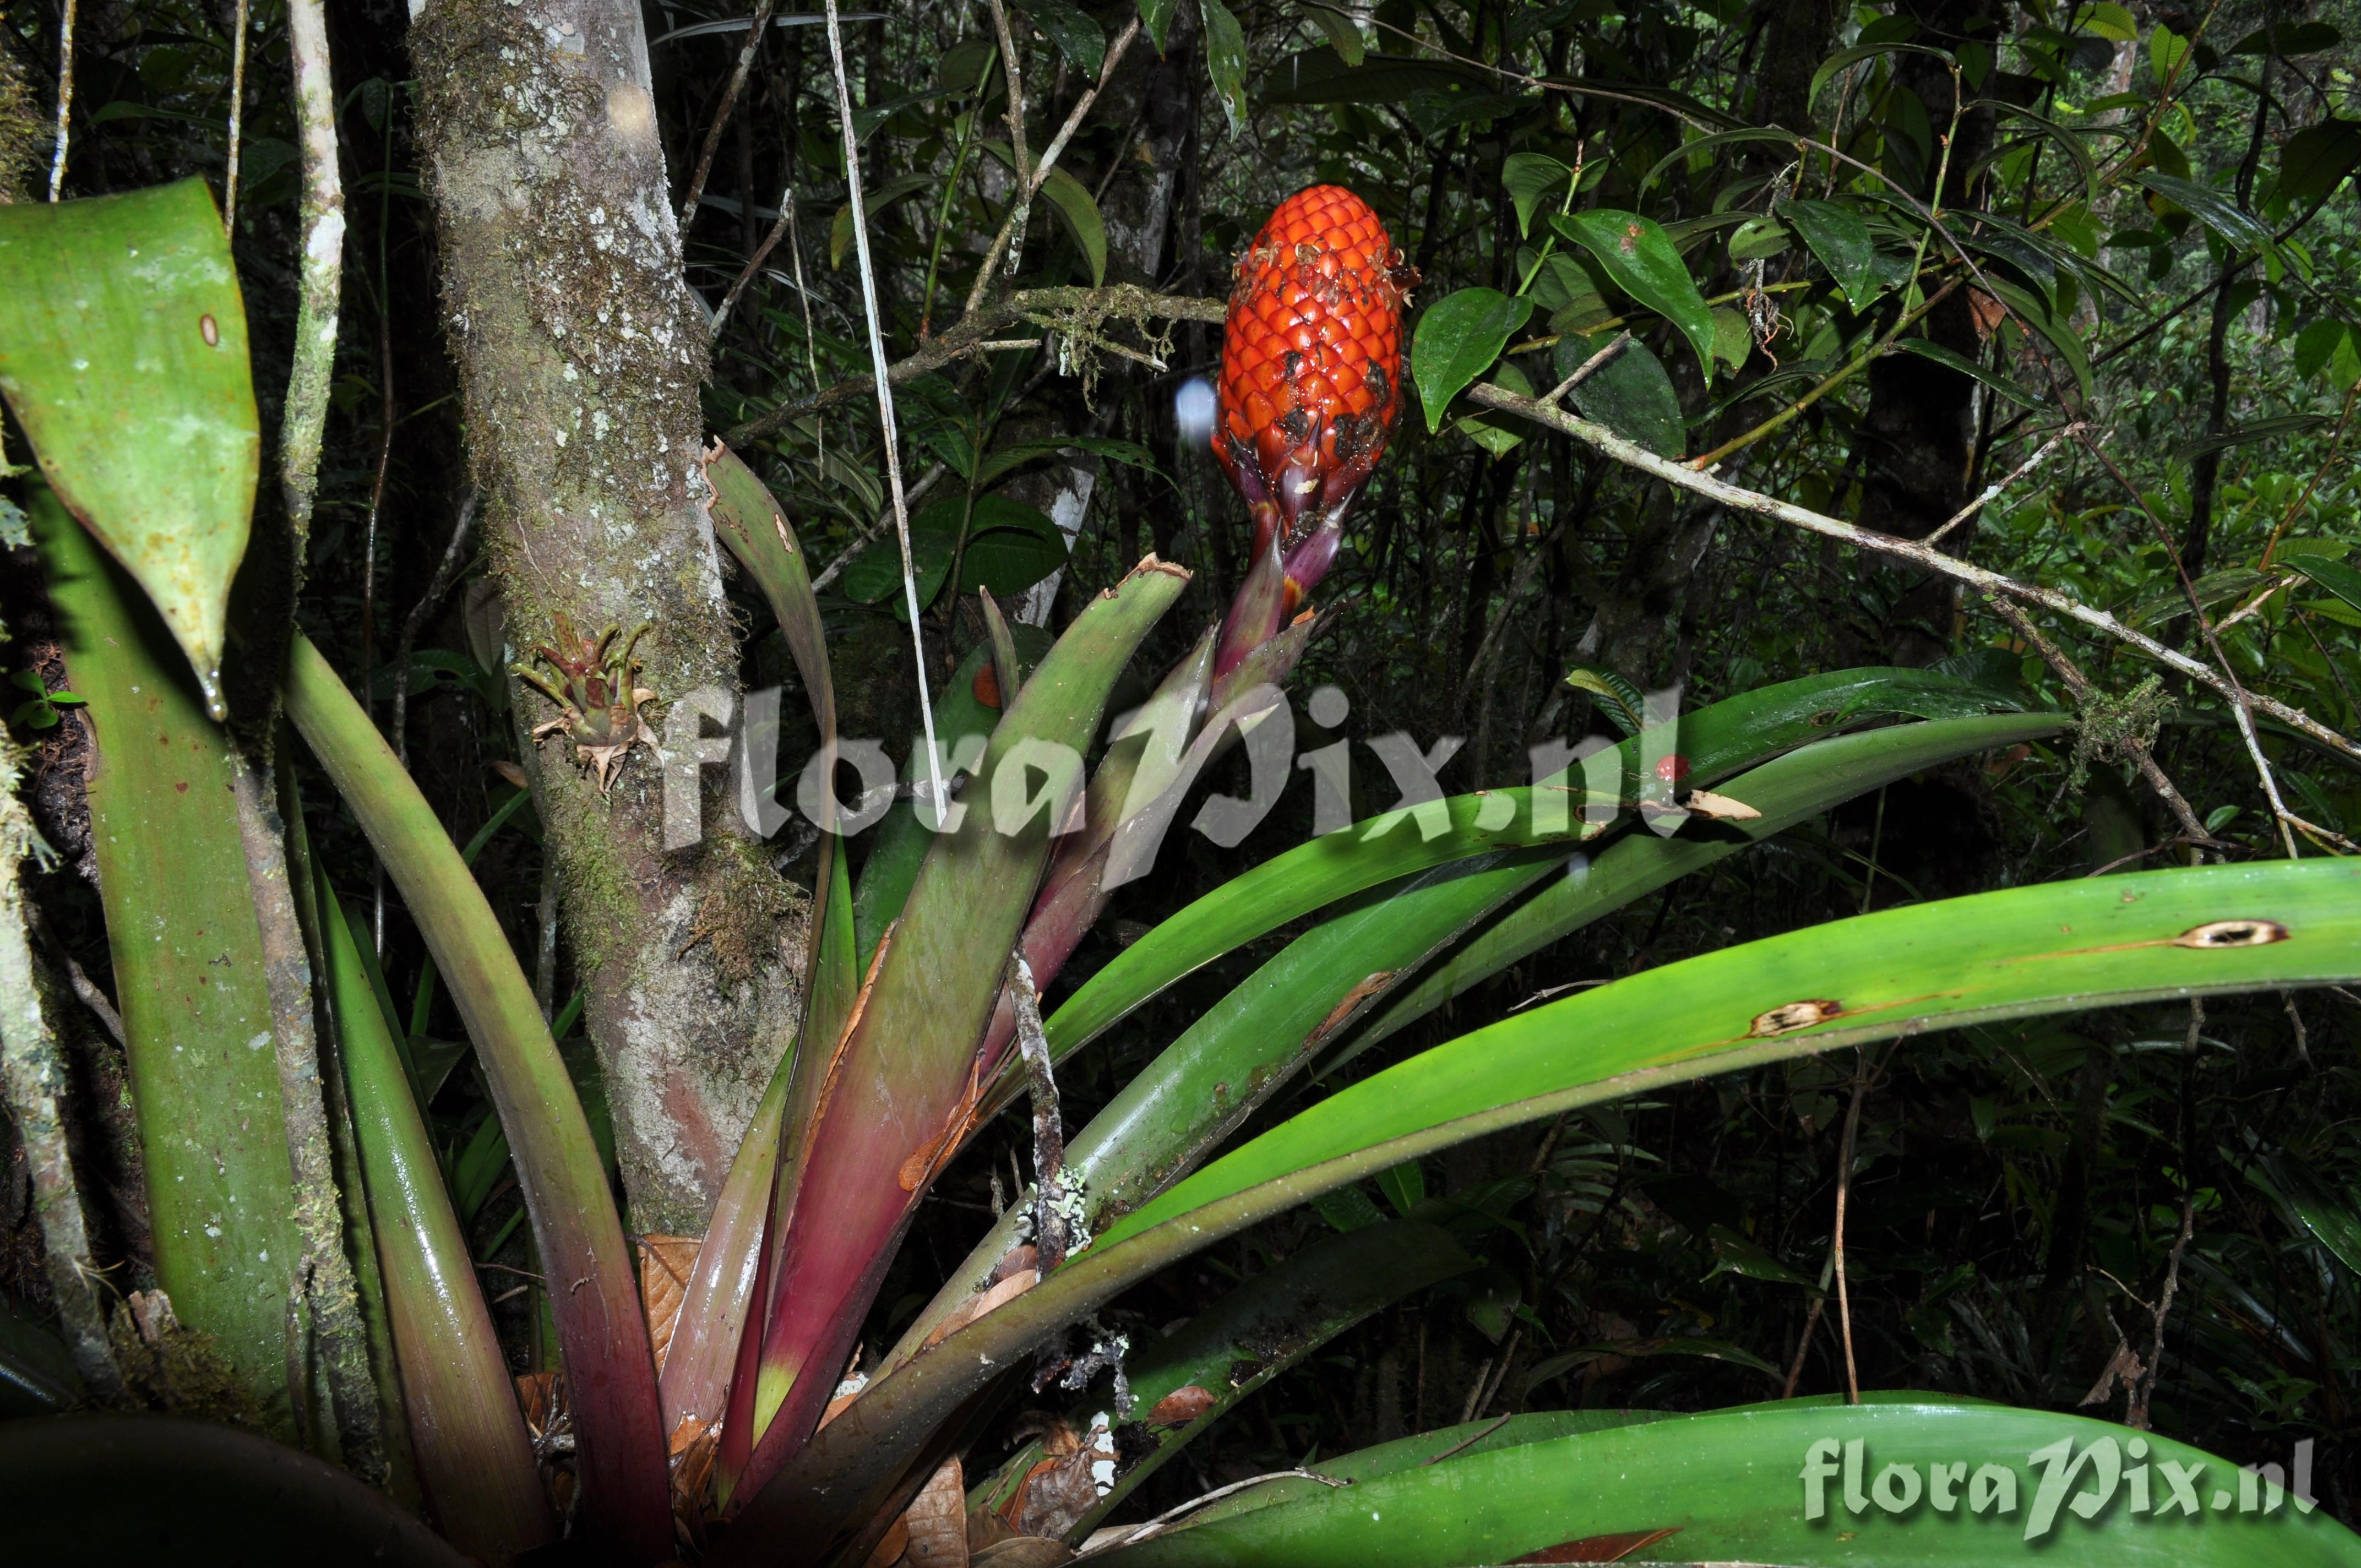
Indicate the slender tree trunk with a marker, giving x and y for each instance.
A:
(580, 353)
(1919, 437)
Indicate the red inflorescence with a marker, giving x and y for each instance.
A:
(1311, 360)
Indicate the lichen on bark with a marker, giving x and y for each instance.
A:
(581, 351)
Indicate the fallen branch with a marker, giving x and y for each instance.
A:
(975, 331)
(1600, 439)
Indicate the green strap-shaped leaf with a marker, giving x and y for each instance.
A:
(123, 354)
(901, 1085)
(1790, 790)
(1931, 965)
(2334, 576)
(1645, 264)
(188, 962)
(1457, 340)
(1715, 742)
(2326, 1213)
(1267, 1325)
(1895, 1480)
(2021, 952)
(474, 1457)
(604, 1333)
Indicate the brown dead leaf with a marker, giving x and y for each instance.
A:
(985, 1529)
(889, 1549)
(937, 1521)
(1067, 1483)
(1181, 1406)
(1600, 1548)
(1989, 312)
(539, 1398)
(665, 1263)
(694, 1446)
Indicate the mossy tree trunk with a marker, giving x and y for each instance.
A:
(580, 353)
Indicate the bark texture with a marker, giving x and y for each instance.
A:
(580, 353)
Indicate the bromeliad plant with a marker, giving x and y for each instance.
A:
(308, 1232)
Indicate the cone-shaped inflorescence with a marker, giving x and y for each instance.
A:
(1311, 386)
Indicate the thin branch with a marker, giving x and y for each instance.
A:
(883, 380)
(1157, 1525)
(320, 279)
(32, 1082)
(2242, 703)
(721, 116)
(236, 119)
(1584, 371)
(761, 252)
(1013, 75)
(65, 99)
(2086, 697)
(446, 573)
(1803, 1346)
(1011, 227)
(803, 297)
(975, 333)
(1737, 498)
(1993, 491)
(1836, 1247)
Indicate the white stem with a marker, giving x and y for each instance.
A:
(237, 120)
(885, 404)
(65, 99)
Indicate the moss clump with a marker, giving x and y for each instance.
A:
(2111, 729)
(22, 131)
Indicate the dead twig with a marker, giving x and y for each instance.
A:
(1739, 498)
(65, 99)
(721, 116)
(2086, 697)
(753, 264)
(977, 329)
(1836, 1246)
(884, 381)
(1991, 492)
(236, 118)
(1010, 238)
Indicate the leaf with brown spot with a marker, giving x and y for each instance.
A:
(1371, 986)
(123, 354)
(1790, 1016)
(1719, 807)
